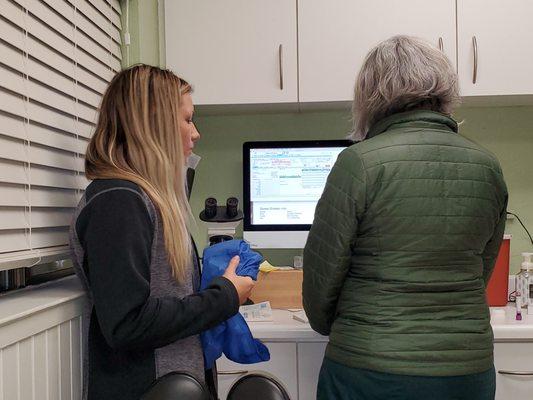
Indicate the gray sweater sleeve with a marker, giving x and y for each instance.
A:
(116, 233)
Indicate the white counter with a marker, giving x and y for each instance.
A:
(34, 299)
(24, 303)
(284, 327)
(507, 328)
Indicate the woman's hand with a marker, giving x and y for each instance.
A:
(243, 284)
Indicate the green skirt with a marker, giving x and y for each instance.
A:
(339, 382)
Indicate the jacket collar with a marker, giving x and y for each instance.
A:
(417, 118)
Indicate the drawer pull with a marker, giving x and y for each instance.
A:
(519, 373)
(238, 372)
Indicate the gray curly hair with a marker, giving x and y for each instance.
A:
(401, 74)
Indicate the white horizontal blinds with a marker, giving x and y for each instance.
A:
(58, 56)
(14, 168)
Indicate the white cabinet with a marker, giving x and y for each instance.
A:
(41, 341)
(510, 358)
(310, 357)
(234, 51)
(282, 364)
(334, 36)
(503, 33)
(296, 365)
(309, 51)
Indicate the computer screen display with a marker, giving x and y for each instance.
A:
(284, 181)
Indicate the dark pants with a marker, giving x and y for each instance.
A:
(338, 382)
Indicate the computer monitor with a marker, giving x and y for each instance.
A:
(282, 183)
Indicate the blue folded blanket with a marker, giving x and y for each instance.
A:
(232, 337)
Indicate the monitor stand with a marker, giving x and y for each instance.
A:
(276, 239)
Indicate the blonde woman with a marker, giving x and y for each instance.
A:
(131, 247)
(404, 240)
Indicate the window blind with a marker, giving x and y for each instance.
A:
(57, 58)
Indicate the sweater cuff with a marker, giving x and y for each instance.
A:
(230, 292)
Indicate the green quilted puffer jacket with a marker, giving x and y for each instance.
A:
(404, 240)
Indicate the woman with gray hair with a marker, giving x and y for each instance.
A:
(404, 240)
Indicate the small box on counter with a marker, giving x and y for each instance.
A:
(282, 288)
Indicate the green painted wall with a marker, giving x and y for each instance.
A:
(506, 131)
(143, 27)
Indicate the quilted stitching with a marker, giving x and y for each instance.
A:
(404, 239)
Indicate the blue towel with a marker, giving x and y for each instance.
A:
(232, 337)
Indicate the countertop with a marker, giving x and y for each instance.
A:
(507, 328)
(29, 301)
(284, 327)
(24, 303)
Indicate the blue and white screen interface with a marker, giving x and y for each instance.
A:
(286, 183)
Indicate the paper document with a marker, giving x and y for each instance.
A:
(260, 312)
(300, 316)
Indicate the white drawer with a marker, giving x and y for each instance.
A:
(509, 359)
(282, 365)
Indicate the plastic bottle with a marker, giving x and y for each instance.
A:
(527, 264)
(525, 282)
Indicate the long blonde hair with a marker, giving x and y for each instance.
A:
(137, 138)
(401, 74)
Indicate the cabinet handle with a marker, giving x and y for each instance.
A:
(238, 372)
(520, 373)
(280, 58)
(474, 44)
(441, 44)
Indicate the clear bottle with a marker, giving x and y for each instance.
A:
(524, 282)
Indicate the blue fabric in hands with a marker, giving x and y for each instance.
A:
(217, 257)
(232, 337)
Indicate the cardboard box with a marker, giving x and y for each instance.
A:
(282, 288)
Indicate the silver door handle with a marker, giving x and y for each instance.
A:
(238, 372)
(516, 373)
(280, 58)
(441, 44)
(474, 44)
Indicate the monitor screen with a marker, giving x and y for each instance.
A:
(283, 182)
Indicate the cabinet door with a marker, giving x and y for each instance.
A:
(282, 365)
(334, 37)
(510, 358)
(234, 51)
(503, 34)
(310, 356)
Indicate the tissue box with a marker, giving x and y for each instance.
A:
(282, 288)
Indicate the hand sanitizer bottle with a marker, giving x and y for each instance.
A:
(525, 282)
